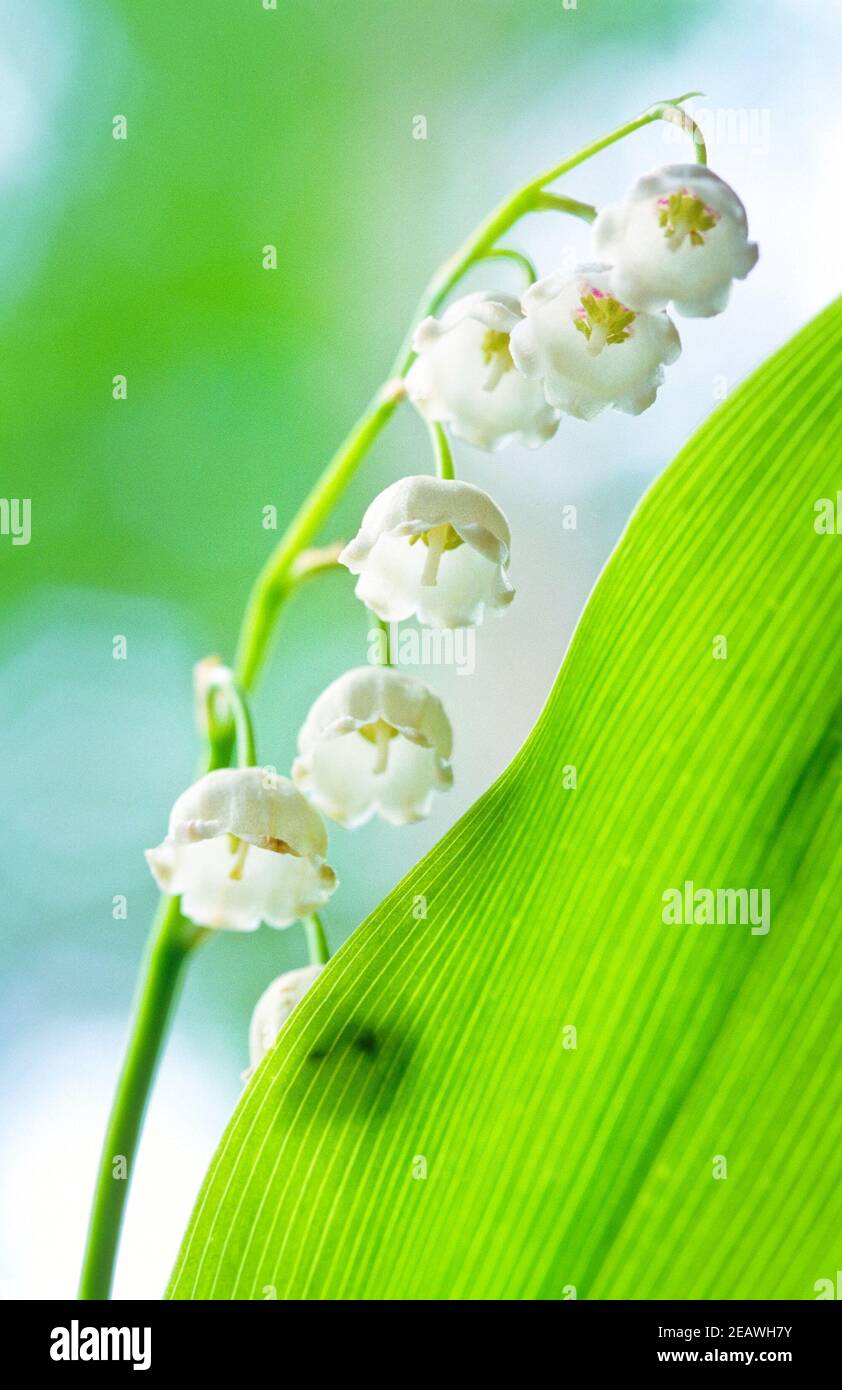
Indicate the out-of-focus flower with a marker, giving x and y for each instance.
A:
(590, 350)
(464, 375)
(434, 547)
(244, 846)
(376, 741)
(680, 235)
(274, 1007)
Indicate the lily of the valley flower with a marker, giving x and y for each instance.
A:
(274, 1007)
(680, 235)
(376, 742)
(464, 375)
(588, 348)
(244, 846)
(434, 547)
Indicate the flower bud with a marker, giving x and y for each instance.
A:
(274, 1007)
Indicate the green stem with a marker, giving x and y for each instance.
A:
(229, 727)
(660, 111)
(170, 944)
(676, 116)
(508, 254)
(383, 627)
(274, 583)
(553, 202)
(317, 940)
(441, 450)
(246, 746)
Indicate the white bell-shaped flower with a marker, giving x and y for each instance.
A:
(274, 1007)
(376, 742)
(590, 350)
(679, 236)
(244, 846)
(464, 375)
(433, 547)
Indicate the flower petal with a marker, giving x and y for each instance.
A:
(244, 846)
(590, 350)
(391, 569)
(680, 235)
(339, 768)
(275, 888)
(251, 803)
(464, 375)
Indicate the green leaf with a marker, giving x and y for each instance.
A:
(447, 1038)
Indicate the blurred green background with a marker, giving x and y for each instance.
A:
(143, 257)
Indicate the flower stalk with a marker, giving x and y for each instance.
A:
(173, 936)
(272, 586)
(442, 453)
(317, 946)
(507, 253)
(171, 942)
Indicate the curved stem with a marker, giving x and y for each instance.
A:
(553, 202)
(508, 254)
(272, 587)
(684, 120)
(230, 727)
(244, 727)
(274, 582)
(317, 940)
(660, 111)
(170, 944)
(311, 563)
(442, 452)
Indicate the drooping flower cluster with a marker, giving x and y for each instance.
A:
(245, 845)
(598, 337)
